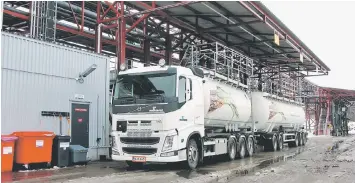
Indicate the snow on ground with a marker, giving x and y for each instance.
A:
(347, 149)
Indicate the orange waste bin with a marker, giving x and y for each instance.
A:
(33, 147)
(7, 152)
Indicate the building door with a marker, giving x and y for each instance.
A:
(80, 124)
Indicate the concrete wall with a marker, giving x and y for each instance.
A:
(39, 76)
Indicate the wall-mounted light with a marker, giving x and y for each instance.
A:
(86, 73)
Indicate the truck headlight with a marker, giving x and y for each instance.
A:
(168, 143)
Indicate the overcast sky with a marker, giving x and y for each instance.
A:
(327, 28)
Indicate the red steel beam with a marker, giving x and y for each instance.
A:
(141, 18)
(98, 11)
(15, 14)
(76, 21)
(111, 7)
(137, 22)
(122, 37)
(111, 42)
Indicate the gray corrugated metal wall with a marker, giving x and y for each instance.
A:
(39, 76)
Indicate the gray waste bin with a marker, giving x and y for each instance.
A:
(78, 154)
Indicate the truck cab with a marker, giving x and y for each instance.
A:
(155, 112)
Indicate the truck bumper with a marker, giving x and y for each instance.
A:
(179, 155)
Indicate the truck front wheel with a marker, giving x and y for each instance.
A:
(192, 154)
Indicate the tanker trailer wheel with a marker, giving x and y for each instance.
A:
(250, 146)
(302, 139)
(242, 148)
(232, 149)
(281, 142)
(192, 154)
(274, 142)
(297, 140)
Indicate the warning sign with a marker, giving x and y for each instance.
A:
(80, 110)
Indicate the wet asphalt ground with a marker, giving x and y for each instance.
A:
(214, 170)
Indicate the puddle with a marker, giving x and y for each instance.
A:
(188, 174)
(268, 162)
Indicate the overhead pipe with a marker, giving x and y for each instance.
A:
(110, 41)
(87, 20)
(90, 14)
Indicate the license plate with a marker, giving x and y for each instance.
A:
(138, 159)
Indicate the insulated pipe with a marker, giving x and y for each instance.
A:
(88, 13)
(15, 10)
(86, 31)
(77, 9)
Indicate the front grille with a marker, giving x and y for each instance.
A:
(143, 151)
(142, 141)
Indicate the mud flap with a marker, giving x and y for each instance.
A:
(202, 154)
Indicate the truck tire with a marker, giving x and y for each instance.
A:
(304, 139)
(274, 143)
(242, 148)
(232, 149)
(281, 142)
(271, 145)
(250, 146)
(192, 154)
(294, 143)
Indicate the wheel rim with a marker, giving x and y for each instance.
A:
(275, 142)
(296, 140)
(193, 154)
(250, 147)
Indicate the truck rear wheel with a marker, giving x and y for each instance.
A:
(242, 148)
(232, 148)
(250, 146)
(274, 143)
(192, 154)
(296, 142)
(304, 139)
(271, 144)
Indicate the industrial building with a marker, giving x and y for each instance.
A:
(51, 87)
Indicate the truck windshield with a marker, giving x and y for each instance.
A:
(139, 86)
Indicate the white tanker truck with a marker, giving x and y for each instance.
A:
(173, 114)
